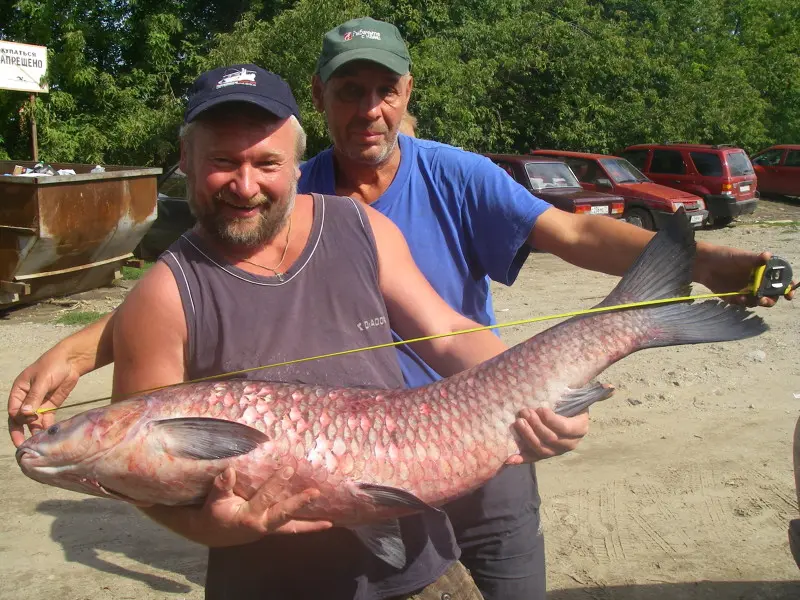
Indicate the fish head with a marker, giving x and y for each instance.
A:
(64, 454)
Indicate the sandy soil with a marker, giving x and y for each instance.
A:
(683, 488)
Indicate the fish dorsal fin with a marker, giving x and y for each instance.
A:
(663, 269)
(384, 541)
(204, 438)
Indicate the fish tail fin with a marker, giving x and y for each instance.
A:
(664, 270)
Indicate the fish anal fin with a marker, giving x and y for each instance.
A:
(575, 401)
(202, 438)
(384, 541)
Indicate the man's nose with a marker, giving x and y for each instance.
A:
(245, 182)
(370, 105)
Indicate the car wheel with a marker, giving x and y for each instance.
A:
(719, 221)
(639, 217)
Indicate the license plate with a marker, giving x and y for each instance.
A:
(697, 219)
(599, 210)
(744, 188)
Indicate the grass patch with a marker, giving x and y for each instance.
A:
(787, 223)
(134, 273)
(79, 317)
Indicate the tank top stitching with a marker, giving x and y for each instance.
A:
(186, 280)
(358, 212)
(263, 283)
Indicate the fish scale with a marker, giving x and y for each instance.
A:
(376, 454)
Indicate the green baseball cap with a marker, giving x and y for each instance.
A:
(363, 39)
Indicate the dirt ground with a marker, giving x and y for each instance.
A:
(682, 489)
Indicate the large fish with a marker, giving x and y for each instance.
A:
(376, 454)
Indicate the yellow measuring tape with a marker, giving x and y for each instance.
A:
(576, 313)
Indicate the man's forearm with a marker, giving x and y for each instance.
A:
(453, 354)
(591, 242)
(182, 520)
(92, 347)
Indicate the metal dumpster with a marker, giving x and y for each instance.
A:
(64, 234)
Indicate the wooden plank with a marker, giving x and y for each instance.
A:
(15, 287)
(73, 269)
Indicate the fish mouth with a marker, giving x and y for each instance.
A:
(22, 451)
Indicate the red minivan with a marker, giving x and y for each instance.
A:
(722, 175)
(647, 204)
(778, 170)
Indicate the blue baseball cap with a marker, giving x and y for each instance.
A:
(241, 83)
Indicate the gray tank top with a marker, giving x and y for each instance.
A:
(329, 300)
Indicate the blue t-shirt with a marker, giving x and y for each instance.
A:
(465, 221)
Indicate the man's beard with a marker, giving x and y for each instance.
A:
(358, 157)
(251, 231)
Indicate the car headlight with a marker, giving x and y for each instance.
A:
(676, 206)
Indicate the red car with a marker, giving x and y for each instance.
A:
(553, 181)
(778, 170)
(647, 204)
(722, 175)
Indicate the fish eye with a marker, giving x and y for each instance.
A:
(53, 429)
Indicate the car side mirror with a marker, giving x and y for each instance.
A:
(602, 182)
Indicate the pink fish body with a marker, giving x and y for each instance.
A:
(374, 454)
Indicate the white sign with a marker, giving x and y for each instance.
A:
(22, 67)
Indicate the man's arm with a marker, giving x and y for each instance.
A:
(48, 381)
(610, 246)
(149, 344)
(416, 310)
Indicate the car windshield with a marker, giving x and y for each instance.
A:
(550, 175)
(621, 171)
(739, 164)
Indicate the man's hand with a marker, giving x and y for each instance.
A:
(44, 384)
(547, 434)
(229, 520)
(722, 269)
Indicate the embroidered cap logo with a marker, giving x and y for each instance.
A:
(237, 77)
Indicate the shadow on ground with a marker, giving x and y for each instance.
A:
(88, 529)
(701, 590)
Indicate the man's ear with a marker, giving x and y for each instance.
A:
(316, 93)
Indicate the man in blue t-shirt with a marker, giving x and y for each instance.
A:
(466, 222)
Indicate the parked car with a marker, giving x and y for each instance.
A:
(552, 180)
(647, 204)
(174, 216)
(778, 170)
(722, 175)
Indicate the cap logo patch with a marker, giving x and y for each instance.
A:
(237, 76)
(362, 33)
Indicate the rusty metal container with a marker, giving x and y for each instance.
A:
(65, 234)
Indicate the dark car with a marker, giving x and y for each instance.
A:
(552, 180)
(647, 204)
(174, 216)
(722, 175)
(778, 170)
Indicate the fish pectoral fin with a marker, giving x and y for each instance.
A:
(574, 401)
(384, 541)
(203, 438)
(392, 496)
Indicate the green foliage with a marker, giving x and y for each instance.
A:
(499, 75)
(78, 317)
(134, 273)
